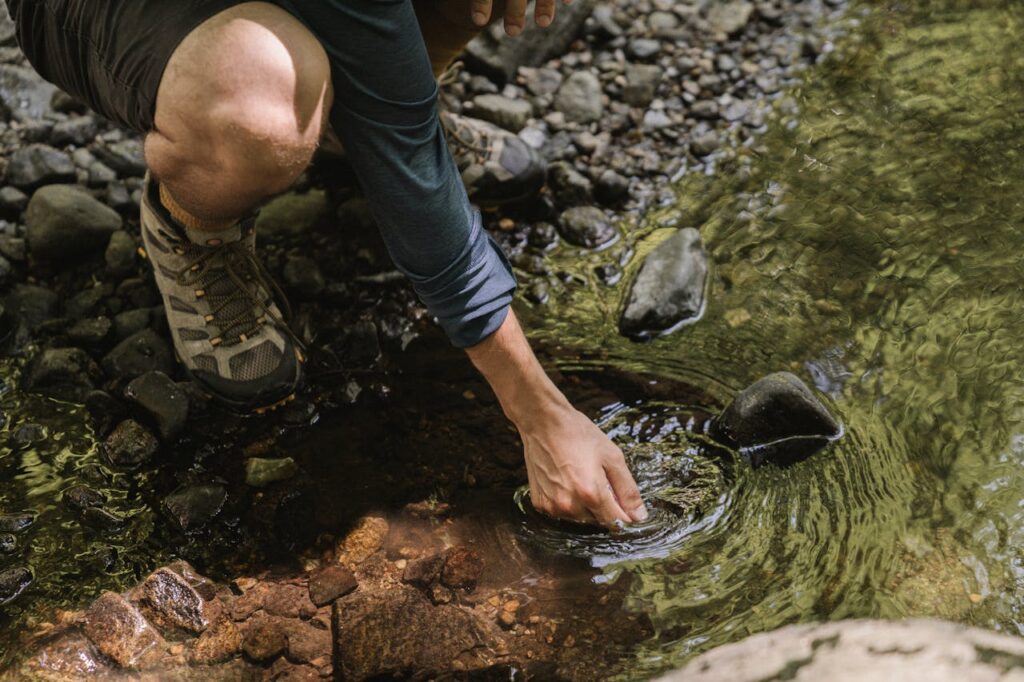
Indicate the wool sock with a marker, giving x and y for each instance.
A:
(186, 219)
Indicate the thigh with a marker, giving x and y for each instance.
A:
(110, 54)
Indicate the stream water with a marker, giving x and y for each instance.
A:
(869, 242)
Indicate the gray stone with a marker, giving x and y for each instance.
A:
(64, 223)
(120, 253)
(78, 130)
(729, 17)
(36, 165)
(194, 506)
(611, 187)
(777, 419)
(705, 144)
(66, 373)
(656, 119)
(131, 322)
(140, 353)
(580, 97)
(641, 84)
(14, 581)
(915, 649)
(587, 226)
(669, 288)
(292, 214)
(162, 399)
(644, 48)
(91, 332)
(510, 114)
(125, 157)
(705, 110)
(7, 28)
(129, 445)
(569, 186)
(260, 472)
(12, 201)
(24, 93)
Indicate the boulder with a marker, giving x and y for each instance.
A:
(162, 400)
(580, 97)
(36, 165)
(587, 226)
(129, 445)
(194, 506)
(777, 419)
(14, 581)
(64, 223)
(669, 288)
(140, 353)
(65, 373)
(118, 630)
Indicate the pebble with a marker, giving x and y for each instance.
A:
(587, 226)
(330, 583)
(194, 506)
(129, 445)
(704, 144)
(510, 114)
(261, 472)
(35, 165)
(580, 97)
(14, 581)
(642, 82)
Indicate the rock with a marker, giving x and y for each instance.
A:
(69, 657)
(82, 497)
(580, 97)
(87, 302)
(611, 188)
(307, 643)
(101, 519)
(31, 304)
(292, 214)
(329, 583)
(704, 144)
(913, 649)
(8, 543)
(104, 412)
(140, 353)
(642, 82)
(361, 344)
(66, 373)
(669, 288)
(91, 332)
(196, 505)
(288, 601)
(13, 248)
(587, 226)
(170, 602)
(462, 568)
(12, 201)
(120, 254)
(36, 165)
(569, 186)
(398, 633)
(644, 48)
(161, 399)
(424, 572)
(125, 157)
(656, 119)
(118, 630)
(729, 17)
(131, 322)
(24, 93)
(510, 114)
(16, 522)
(776, 419)
(264, 639)
(364, 540)
(129, 445)
(261, 472)
(218, 643)
(14, 581)
(302, 275)
(704, 110)
(78, 130)
(64, 223)
(499, 56)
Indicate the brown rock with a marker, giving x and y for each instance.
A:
(250, 602)
(329, 583)
(264, 639)
(285, 671)
(307, 643)
(118, 630)
(219, 643)
(462, 568)
(365, 539)
(439, 594)
(424, 572)
(170, 602)
(398, 632)
(72, 655)
(289, 601)
(507, 619)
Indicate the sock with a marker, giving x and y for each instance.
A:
(188, 220)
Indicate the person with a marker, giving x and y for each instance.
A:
(233, 99)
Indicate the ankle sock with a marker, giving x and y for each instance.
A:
(186, 219)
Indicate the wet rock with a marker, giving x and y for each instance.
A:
(78, 130)
(361, 344)
(16, 522)
(82, 497)
(264, 639)
(27, 435)
(308, 643)
(171, 603)
(12, 201)
(64, 223)
(424, 572)
(500, 57)
(569, 187)
(580, 97)
(510, 114)
(70, 656)
(162, 400)
(120, 253)
(14, 581)
(641, 84)
(196, 505)
(66, 373)
(302, 276)
(543, 236)
(131, 322)
(101, 519)
(462, 568)
(289, 601)
(91, 332)
(36, 165)
(729, 17)
(364, 540)
(292, 214)
(587, 226)
(31, 304)
(124, 156)
(140, 353)
(218, 643)
(261, 472)
(399, 633)
(104, 411)
(24, 93)
(777, 419)
(118, 630)
(611, 188)
(87, 302)
(129, 445)
(669, 288)
(329, 583)
(8, 543)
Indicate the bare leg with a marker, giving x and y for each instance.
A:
(239, 111)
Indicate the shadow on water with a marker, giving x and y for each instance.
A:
(874, 248)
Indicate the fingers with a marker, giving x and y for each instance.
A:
(625, 489)
(515, 16)
(480, 10)
(544, 12)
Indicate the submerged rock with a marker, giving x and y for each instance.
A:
(587, 226)
(118, 630)
(82, 497)
(462, 568)
(101, 519)
(16, 522)
(67, 373)
(171, 603)
(218, 643)
(8, 543)
(669, 288)
(129, 445)
(196, 505)
(14, 581)
(329, 583)
(261, 472)
(776, 419)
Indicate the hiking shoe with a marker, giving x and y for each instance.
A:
(228, 331)
(497, 167)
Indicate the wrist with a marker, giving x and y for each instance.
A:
(533, 399)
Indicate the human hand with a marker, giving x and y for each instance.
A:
(576, 473)
(515, 13)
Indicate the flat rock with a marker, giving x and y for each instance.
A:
(162, 399)
(171, 603)
(142, 352)
(915, 649)
(129, 445)
(118, 630)
(14, 581)
(265, 639)
(64, 223)
(66, 373)
(36, 165)
(218, 643)
(776, 419)
(196, 505)
(510, 114)
(329, 583)
(261, 472)
(587, 226)
(669, 287)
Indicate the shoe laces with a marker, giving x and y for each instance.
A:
(457, 130)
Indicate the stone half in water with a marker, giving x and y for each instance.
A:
(670, 287)
(777, 419)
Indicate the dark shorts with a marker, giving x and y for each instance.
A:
(110, 54)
